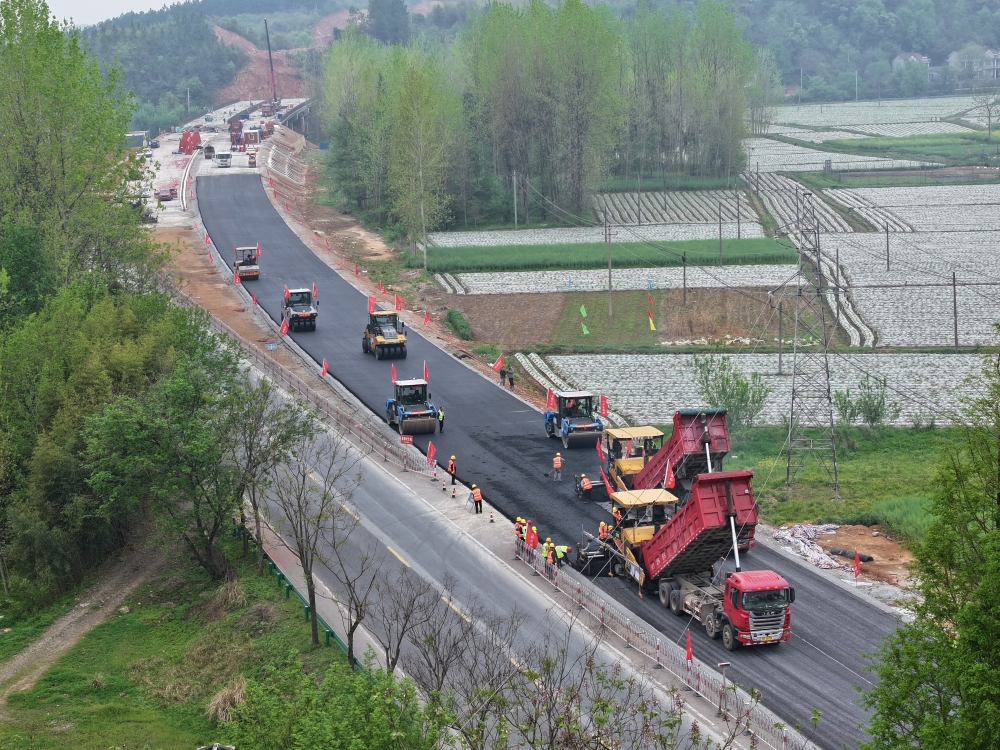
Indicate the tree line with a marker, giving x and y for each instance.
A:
(542, 102)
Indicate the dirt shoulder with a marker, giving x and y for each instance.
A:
(115, 581)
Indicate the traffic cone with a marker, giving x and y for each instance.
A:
(444, 486)
(491, 517)
(453, 492)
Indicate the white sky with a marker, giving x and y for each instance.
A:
(87, 12)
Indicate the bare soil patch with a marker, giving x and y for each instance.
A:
(892, 559)
(117, 579)
(254, 80)
(322, 30)
(511, 321)
(716, 314)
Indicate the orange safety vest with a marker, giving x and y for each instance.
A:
(551, 555)
(585, 484)
(477, 495)
(602, 532)
(451, 466)
(618, 516)
(557, 462)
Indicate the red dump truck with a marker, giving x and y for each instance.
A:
(669, 543)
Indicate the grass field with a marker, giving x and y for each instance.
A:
(953, 149)
(25, 628)
(144, 679)
(585, 255)
(916, 178)
(880, 472)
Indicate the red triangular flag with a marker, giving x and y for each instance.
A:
(315, 291)
(427, 375)
(550, 400)
(427, 317)
(381, 286)
(857, 565)
(650, 299)
(236, 277)
(399, 303)
(259, 253)
(602, 407)
(670, 480)
(688, 654)
(498, 365)
(394, 373)
(235, 254)
(600, 450)
(276, 195)
(253, 297)
(207, 240)
(431, 451)
(327, 243)
(357, 271)
(286, 205)
(210, 258)
(287, 293)
(284, 328)
(326, 369)
(650, 314)
(371, 305)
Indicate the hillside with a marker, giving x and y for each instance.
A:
(253, 81)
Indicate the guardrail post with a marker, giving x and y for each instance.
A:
(288, 590)
(659, 665)
(385, 453)
(270, 567)
(306, 608)
(280, 577)
(628, 633)
(404, 459)
(329, 636)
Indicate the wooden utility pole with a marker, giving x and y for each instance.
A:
(954, 306)
(515, 198)
(781, 332)
(607, 238)
(738, 236)
(684, 276)
(720, 233)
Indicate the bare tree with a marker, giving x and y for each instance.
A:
(264, 428)
(404, 603)
(986, 103)
(308, 495)
(356, 568)
(442, 641)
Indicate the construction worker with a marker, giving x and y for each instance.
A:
(562, 552)
(441, 419)
(550, 553)
(452, 469)
(585, 487)
(477, 498)
(617, 514)
(602, 531)
(519, 528)
(557, 468)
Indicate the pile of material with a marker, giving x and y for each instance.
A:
(801, 539)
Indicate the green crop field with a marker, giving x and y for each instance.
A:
(950, 148)
(754, 251)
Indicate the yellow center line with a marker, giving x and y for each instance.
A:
(452, 605)
(398, 556)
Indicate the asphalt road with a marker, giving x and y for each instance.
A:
(500, 444)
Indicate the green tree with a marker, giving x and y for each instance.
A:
(939, 686)
(388, 21)
(721, 383)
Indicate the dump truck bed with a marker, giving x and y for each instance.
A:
(685, 450)
(699, 534)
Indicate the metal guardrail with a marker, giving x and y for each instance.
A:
(731, 702)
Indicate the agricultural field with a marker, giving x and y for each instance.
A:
(627, 278)
(912, 313)
(648, 388)
(940, 208)
(690, 207)
(782, 197)
(890, 111)
(876, 215)
(768, 155)
(906, 129)
(576, 235)
(814, 136)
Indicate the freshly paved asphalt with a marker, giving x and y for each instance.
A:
(500, 444)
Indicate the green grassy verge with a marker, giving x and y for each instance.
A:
(880, 471)
(583, 255)
(27, 627)
(908, 517)
(145, 679)
(954, 149)
(915, 178)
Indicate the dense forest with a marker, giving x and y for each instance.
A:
(560, 97)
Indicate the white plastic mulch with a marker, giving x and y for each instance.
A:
(801, 539)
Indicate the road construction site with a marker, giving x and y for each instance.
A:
(499, 444)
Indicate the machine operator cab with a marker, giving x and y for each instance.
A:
(574, 419)
(385, 335)
(410, 409)
(627, 450)
(642, 513)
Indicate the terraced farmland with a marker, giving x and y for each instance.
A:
(782, 197)
(674, 207)
(767, 155)
(847, 114)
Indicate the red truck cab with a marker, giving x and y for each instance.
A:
(758, 604)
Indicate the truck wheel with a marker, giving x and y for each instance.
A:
(664, 592)
(403, 350)
(619, 569)
(711, 627)
(729, 639)
(364, 345)
(378, 352)
(549, 430)
(675, 602)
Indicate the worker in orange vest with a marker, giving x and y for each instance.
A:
(585, 487)
(452, 469)
(617, 516)
(519, 528)
(550, 553)
(477, 498)
(602, 531)
(557, 468)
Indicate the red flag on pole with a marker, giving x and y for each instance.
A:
(857, 565)
(210, 258)
(603, 406)
(431, 452)
(207, 240)
(650, 299)
(286, 205)
(315, 291)
(498, 365)
(327, 243)
(670, 480)
(600, 450)
(394, 374)
(688, 653)
(326, 369)
(259, 253)
(381, 286)
(253, 298)
(357, 271)
(276, 195)
(427, 375)
(550, 400)
(287, 293)
(235, 254)
(236, 278)
(399, 303)
(284, 328)
(371, 305)
(427, 317)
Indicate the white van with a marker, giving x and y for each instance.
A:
(224, 158)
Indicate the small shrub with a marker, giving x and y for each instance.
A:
(457, 322)
(231, 594)
(98, 681)
(220, 708)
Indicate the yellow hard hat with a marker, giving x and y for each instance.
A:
(582, 475)
(559, 454)
(603, 524)
(473, 486)
(616, 509)
(534, 528)
(452, 458)
(548, 539)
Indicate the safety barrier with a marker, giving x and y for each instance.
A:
(350, 421)
(731, 702)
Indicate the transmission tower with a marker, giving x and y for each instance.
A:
(810, 413)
